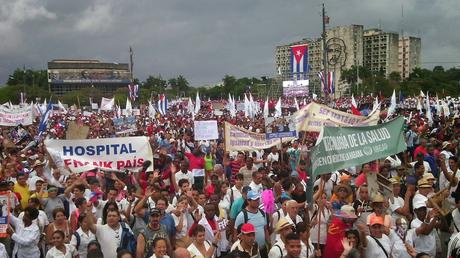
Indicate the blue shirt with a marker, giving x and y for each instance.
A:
(434, 168)
(237, 206)
(259, 222)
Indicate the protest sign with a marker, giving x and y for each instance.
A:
(343, 147)
(107, 104)
(206, 130)
(240, 139)
(5, 204)
(314, 116)
(125, 125)
(280, 127)
(16, 116)
(115, 154)
(18, 134)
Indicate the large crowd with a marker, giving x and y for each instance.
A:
(201, 201)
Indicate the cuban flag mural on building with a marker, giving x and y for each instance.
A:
(299, 62)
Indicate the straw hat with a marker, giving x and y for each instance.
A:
(341, 186)
(282, 224)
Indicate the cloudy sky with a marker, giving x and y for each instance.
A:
(204, 39)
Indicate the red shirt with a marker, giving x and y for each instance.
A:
(236, 165)
(195, 162)
(418, 150)
(335, 234)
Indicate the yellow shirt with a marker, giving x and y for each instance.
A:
(24, 192)
(44, 195)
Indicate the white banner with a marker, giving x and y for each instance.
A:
(107, 104)
(16, 116)
(116, 154)
(206, 130)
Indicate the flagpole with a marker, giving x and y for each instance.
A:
(326, 74)
(78, 101)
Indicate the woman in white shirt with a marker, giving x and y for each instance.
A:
(181, 222)
(201, 248)
(60, 249)
(85, 236)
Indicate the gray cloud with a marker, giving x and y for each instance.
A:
(203, 39)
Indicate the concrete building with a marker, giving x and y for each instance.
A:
(345, 44)
(409, 56)
(381, 51)
(66, 75)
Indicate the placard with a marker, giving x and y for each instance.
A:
(15, 116)
(206, 130)
(5, 208)
(280, 127)
(112, 154)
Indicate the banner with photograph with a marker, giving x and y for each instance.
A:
(205, 130)
(112, 154)
(280, 127)
(297, 88)
(16, 116)
(240, 139)
(314, 116)
(344, 147)
(5, 204)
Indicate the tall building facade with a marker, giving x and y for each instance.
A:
(410, 49)
(66, 75)
(381, 50)
(345, 49)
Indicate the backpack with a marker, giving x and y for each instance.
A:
(245, 215)
(128, 240)
(281, 250)
(77, 237)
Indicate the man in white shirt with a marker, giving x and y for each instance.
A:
(25, 234)
(420, 158)
(446, 151)
(422, 235)
(283, 228)
(378, 244)
(292, 212)
(184, 172)
(274, 155)
(256, 183)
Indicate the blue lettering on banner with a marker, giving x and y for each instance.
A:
(98, 150)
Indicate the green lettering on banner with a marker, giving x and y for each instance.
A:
(343, 147)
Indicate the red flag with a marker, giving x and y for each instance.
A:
(354, 107)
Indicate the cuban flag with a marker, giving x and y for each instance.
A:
(133, 91)
(299, 62)
(162, 104)
(330, 82)
(44, 120)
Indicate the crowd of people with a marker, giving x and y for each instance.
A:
(201, 201)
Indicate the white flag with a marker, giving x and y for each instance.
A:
(392, 107)
(107, 104)
(61, 107)
(278, 111)
(315, 96)
(445, 108)
(197, 103)
(246, 105)
(190, 107)
(422, 94)
(129, 108)
(296, 104)
(266, 108)
(428, 110)
(152, 111)
(438, 106)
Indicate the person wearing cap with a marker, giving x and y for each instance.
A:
(247, 241)
(252, 214)
(378, 205)
(377, 244)
(283, 228)
(422, 235)
(342, 195)
(342, 220)
(446, 152)
(153, 231)
(399, 207)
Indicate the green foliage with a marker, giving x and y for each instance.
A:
(12, 93)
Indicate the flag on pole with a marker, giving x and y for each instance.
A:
(107, 104)
(299, 61)
(133, 91)
(190, 107)
(162, 104)
(330, 82)
(392, 107)
(354, 106)
(61, 107)
(44, 121)
(246, 105)
(266, 112)
(23, 98)
(428, 110)
(438, 106)
(278, 111)
(296, 104)
(152, 111)
(422, 94)
(197, 103)
(129, 107)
